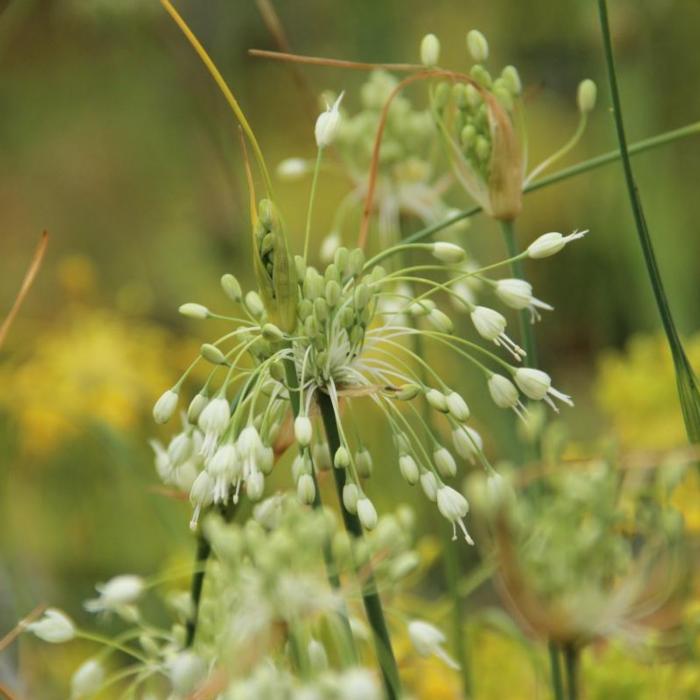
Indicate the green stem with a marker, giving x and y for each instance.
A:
(685, 378)
(312, 197)
(329, 560)
(555, 671)
(527, 334)
(200, 561)
(571, 664)
(370, 595)
(572, 171)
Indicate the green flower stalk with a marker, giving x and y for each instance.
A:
(688, 392)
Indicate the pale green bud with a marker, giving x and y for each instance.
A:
(341, 459)
(305, 309)
(322, 456)
(341, 258)
(194, 310)
(306, 490)
(87, 680)
(511, 78)
(300, 266)
(332, 273)
(363, 461)
(165, 406)
(404, 565)
(437, 400)
(448, 252)
(196, 407)
(587, 95)
(409, 469)
(333, 292)
(477, 46)
(442, 96)
(473, 95)
(351, 494)
(231, 287)
(212, 354)
(356, 261)
(320, 308)
(430, 50)
(482, 148)
(272, 333)
(277, 371)
(481, 75)
(457, 406)
(366, 513)
(468, 135)
(362, 296)
(313, 284)
(254, 304)
(317, 656)
(408, 392)
(441, 321)
(445, 463)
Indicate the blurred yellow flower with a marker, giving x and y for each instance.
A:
(637, 389)
(90, 366)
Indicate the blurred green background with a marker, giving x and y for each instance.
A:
(114, 138)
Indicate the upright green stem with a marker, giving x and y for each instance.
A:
(685, 377)
(329, 561)
(370, 595)
(200, 561)
(555, 671)
(312, 197)
(571, 664)
(526, 332)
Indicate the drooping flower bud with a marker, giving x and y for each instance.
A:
(551, 243)
(586, 96)
(212, 354)
(303, 430)
(165, 406)
(54, 627)
(409, 469)
(87, 679)
(477, 45)
(366, 513)
(448, 252)
(231, 287)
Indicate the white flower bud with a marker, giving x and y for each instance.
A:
(327, 124)
(514, 293)
(358, 683)
(341, 458)
(448, 252)
(429, 484)
(441, 321)
(430, 50)
(165, 406)
(87, 679)
(457, 406)
(586, 96)
(351, 495)
(428, 640)
(306, 490)
(363, 462)
(437, 400)
(317, 656)
(303, 430)
(231, 287)
(291, 169)
(116, 593)
(194, 310)
(366, 513)
(467, 442)
(271, 332)
(409, 469)
(255, 485)
(254, 304)
(186, 671)
(445, 462)
(477, 45)
(224, 462)
(503, 391)
(489, 323)
(550, 243)
(54, 627)
(212, 354)
(197, 405)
